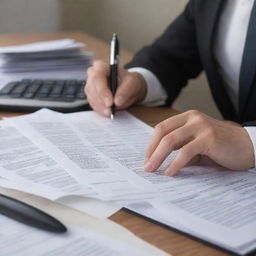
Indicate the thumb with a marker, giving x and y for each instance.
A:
(131, 89)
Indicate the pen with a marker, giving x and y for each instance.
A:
(113, 78)
(29, 215)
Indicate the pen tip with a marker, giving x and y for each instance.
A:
(112, 117)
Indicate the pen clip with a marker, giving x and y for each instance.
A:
(114, 50)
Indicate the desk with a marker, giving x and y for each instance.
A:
(157, 235)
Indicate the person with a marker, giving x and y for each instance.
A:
(217, 37)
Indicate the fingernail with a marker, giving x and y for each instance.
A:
(146, 160)
(149, 167)
(168, 172)
(107, 102)
(107, 112)
(119, 100)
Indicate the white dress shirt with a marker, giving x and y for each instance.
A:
(228, 51)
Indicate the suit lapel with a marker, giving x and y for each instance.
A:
(248, 67)
(215, 8)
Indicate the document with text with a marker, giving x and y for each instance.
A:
(103, 159)
(17, 239)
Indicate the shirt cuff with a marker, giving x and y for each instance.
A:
(156, 95)
(252, 134)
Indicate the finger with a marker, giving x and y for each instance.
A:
(93, 97)
(98, 78)
(162, 129)
(98, 107)
(96, 104)
(167, 145)
(125, 92)
(185, 156)
(132, 89)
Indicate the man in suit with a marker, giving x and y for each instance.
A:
(218, 37)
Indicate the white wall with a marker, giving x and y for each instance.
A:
(18, 16)
(136, 22)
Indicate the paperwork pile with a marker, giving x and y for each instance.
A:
(58, 155)
(65, 54)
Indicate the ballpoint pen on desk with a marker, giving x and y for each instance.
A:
(29, 215)
(113, 77)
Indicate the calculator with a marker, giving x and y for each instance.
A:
(33, 94)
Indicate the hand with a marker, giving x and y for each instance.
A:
(131, 89)
(198, 137)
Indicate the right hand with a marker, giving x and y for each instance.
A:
(131, 89)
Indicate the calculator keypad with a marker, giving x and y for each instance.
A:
(50, 90)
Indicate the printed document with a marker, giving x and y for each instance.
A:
(107, 157)
(17, 239)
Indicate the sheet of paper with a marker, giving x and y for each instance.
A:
(100, 228)
(217, 200)
(21, 159)
(91, 206)
(43, 46)
(147, 210)
(51, 183)
(96, 141)
(19, 239)
(79, 156)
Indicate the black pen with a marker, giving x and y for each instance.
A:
(29, 215)
(113, 77)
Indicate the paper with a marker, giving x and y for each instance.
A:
(91, 206)
(220, 201)
(101, 231)
(215, 205)
(19, 239)
(35, 172)
(87, 145)
(54, 45)
(56, 55)
(21, 159)
(78, 156)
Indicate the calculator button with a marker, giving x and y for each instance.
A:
(8, 88)
(20, 88)
(80, 96)
(41, 95)
(28, 95)
(45, 89)
(57, 89)
(33, 88)
(69, 90)
(15, 95)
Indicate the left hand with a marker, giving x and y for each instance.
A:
(198, 137)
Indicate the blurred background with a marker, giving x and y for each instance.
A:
(136, 22)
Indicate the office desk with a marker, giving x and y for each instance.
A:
(161, 237)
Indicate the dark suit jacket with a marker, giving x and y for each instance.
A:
(185, 49)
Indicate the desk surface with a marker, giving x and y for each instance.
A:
(157, 235)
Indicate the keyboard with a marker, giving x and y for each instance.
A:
(33, 94)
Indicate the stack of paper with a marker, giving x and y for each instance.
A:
(58, 155)
(65, 54)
